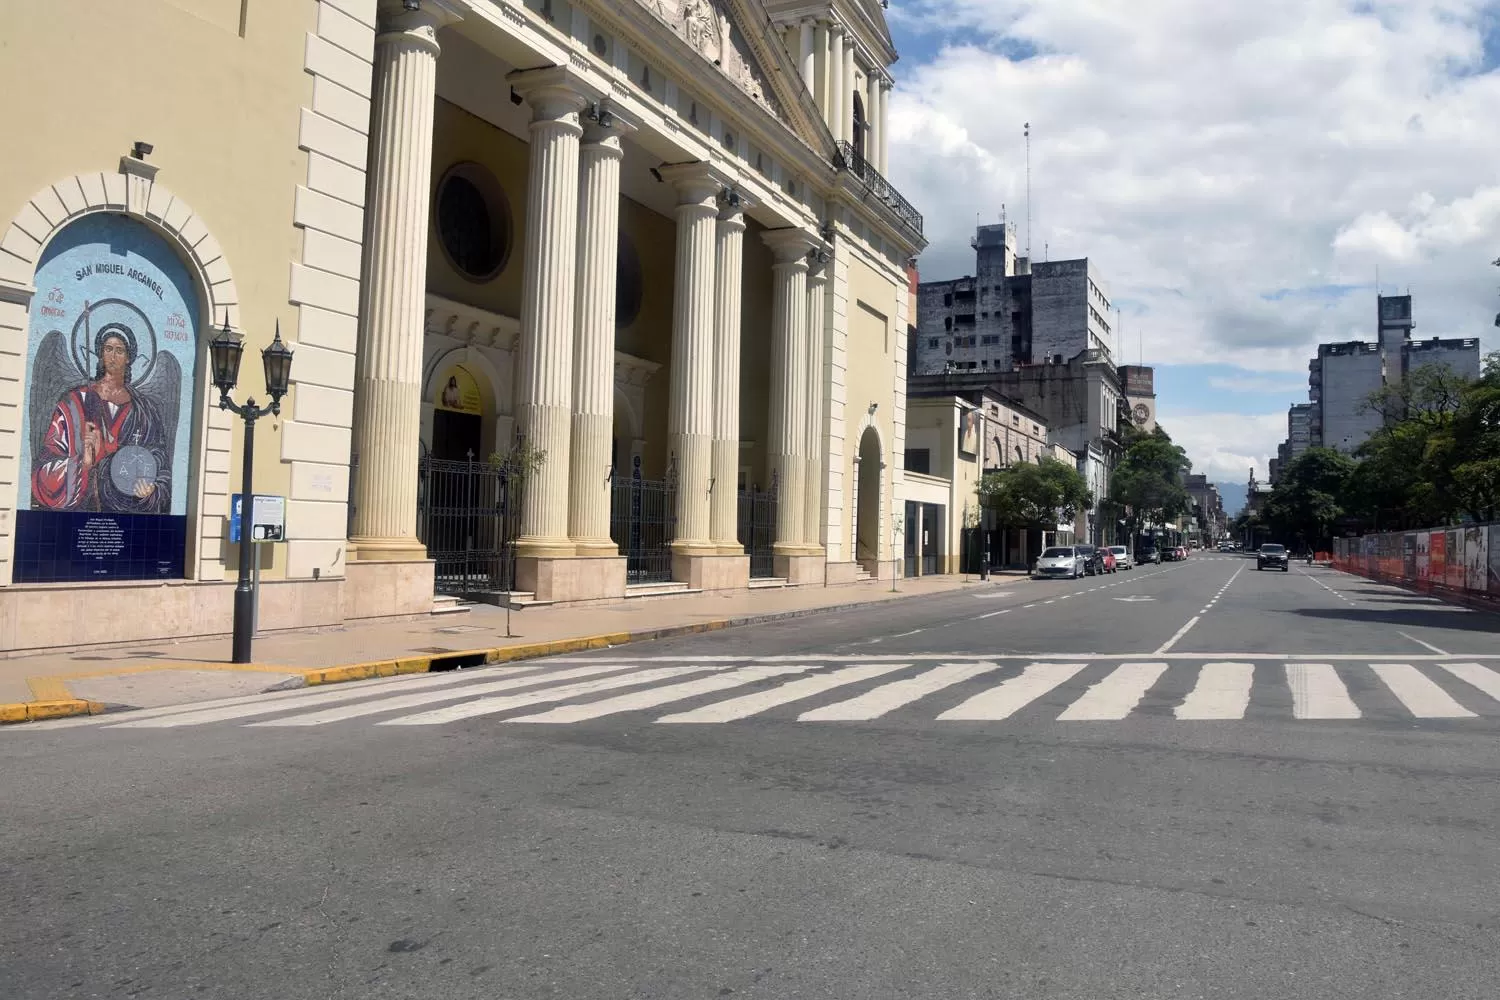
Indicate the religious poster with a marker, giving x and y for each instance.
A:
(459, 393)
(111, 357)
(968, 432)
(1457, 572)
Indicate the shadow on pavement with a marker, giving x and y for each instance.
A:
(1451, 618)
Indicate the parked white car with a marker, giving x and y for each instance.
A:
(1063, 561)
(1123, 557)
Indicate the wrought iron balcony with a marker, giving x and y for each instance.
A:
(846, 157)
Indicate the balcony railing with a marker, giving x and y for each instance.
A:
(848, 158)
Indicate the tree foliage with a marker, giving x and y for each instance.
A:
(1307, 501)
(1043, 495)
(1149, 479)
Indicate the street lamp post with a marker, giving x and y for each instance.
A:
(225, 351)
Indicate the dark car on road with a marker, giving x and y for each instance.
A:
(1273, 555)
(1093, 559)
(1147, 554)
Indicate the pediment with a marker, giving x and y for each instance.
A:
(758, 65)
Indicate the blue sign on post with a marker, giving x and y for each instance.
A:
(236, 505)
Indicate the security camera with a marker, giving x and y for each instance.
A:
(141, 150)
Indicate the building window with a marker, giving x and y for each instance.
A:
(473, 221)
(948, 298)
(919, 460)
(947, 322)
(932, 343)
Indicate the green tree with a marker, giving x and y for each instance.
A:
(1024, 495)
(1149, 480)
(1306, 503)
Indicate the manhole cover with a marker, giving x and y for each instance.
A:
(459, 629)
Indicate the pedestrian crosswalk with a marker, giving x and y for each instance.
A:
(931, 689)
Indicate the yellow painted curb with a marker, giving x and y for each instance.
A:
(36, 711)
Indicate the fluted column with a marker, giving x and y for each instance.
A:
(388, 357)
(690, 413)
(805, 55)
(544, 373)
(872, 111)
(594, 332)
(835, 108)
(789, 364)
(814, 499)
(728, 281)
(820, 66)
(846, 96)
(885, 119)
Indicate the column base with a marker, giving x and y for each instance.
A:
(386, 550)
(545, 548)
(596, 548)
(732, 549)
(711, 571)
(801, 569)
(560, 579)
(694, 549)
(381, 589)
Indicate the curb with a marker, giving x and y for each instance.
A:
(37, 711)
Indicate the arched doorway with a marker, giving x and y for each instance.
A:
(861, 127)
(867, 514)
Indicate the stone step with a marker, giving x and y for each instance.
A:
(767, 583)
(672, 588)
(447, 604)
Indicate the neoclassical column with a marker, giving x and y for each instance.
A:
(872, 111)
(594, 331)
(846, 96)
(789, 363)
(690, 412)
(544, 372)
(805, 55)
(388, 357)
(814, 499)
(728, 282)
(820, 65)
(835, 108)
(885, 117)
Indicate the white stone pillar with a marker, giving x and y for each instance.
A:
(805, 55)
(846, 96)
(820, 66)
(835, 109)
(544, 372)
(729, 279)
(594, 337)
(815, 499)
(789, 363)
(388, 358)
(690, 414)
(872, 116)
(885, 120)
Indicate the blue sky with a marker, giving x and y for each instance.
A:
(1242, 174)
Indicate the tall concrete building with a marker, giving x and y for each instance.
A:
(1011, 311)
(1139, 382)
(1343, 377)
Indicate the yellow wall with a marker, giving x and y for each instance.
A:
(87, 79)
(871, 375)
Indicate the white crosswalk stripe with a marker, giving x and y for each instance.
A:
(908, 688)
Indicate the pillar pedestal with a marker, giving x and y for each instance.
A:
(565, 579)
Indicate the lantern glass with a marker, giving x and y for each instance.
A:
(224, 353)
(277, 360)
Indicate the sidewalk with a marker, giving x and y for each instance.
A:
(78, 682)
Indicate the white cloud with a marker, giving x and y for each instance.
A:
(1257, 383)
(1239, 170)
(1225, 446)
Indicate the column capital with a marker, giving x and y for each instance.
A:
(554, 92)
(817, 265)
(395, 21)
(697, 182)
(790, 245)
(603, 122)
(732, 205)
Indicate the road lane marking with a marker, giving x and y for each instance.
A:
(994, 613)
(1317, 692)
(430, 697)
(1421, 696)
(1009, 696)
(889, 697)
(1222, 692)
(1166, 647)
(489, 706)
(197, 715)
(752, 704)
(1115, 695)
(1484, 678)
(639, 700)
(1424, 645)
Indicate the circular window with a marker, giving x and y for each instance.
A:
(627, 283)
(473, 221)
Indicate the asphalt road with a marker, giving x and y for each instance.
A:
(1192, 780)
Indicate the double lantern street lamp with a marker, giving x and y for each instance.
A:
(225, 351)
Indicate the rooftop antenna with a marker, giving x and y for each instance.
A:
(1027, 135)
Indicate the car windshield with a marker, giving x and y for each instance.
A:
(1057, 553)
(1118, 550)
(1273, 549)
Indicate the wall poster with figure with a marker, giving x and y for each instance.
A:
(111, 361)
(1476, 557)
(968, 432)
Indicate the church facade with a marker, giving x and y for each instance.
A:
(585, 299)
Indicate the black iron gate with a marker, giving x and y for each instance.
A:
(468, 516)
(757, 529)
(643, 522)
